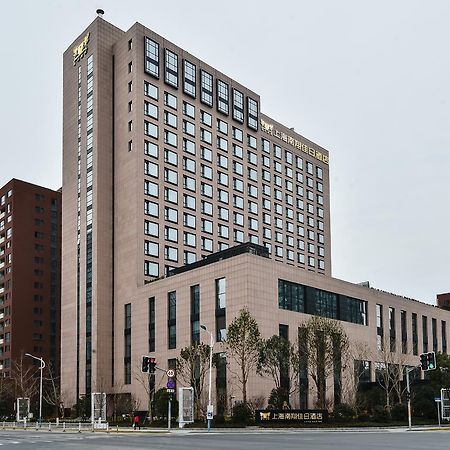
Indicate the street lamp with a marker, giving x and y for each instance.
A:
(40, 385)
(211, 346)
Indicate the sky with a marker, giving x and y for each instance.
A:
(369, 81)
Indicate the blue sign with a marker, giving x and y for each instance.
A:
(170, 383)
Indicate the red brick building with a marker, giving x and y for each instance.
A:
(30, 255)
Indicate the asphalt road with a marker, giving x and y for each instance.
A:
(238, 440)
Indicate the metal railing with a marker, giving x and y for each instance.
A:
(59, 426)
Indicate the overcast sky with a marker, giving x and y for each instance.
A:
(369, 81)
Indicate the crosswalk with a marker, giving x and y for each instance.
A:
(8, 439)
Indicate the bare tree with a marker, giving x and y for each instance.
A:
(51, 391)
(389, 371)
(242, 346)
(150, 387)
(192, 368)
(26, 384)
(323, 342)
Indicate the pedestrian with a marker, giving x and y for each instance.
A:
(136, 422)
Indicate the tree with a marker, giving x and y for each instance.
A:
(440, 378)
(322, 344)
(242, 346)
(147, 381)
(389, 371)
(192, 368)
(26, 383)
(279, 359)
(51, 391)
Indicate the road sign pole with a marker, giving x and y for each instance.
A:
(438, 402)
(169, 413)
(408, 393)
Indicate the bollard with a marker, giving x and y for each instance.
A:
(3, 424)
(36, 426)
(107, 427)
(79, 427)
(49, 426)
(14, 425)
(93, 426)
(24, 423)
(117, 428)
(64, 427)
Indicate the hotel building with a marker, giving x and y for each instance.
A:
(183, 202)
(30, 267)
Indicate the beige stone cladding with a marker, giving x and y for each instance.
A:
(99, 37)
(253, 281)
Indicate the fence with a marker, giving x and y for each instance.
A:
(59, 426)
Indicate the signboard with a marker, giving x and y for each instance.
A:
(210, 412)
(170, 383)
(22, 409)
(185, 405)
(170, 373)
(98, 406)
(445, 404)
(297, 416)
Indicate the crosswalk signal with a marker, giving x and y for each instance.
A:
(428, 361)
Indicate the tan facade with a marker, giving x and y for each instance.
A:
(156, 176)
(253, 281)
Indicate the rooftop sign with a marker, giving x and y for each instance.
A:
(269, 129)
(80, 50)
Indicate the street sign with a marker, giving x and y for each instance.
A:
(210, 412)
(171, 383)
(185, 405)
(170, 391)
(170, 373)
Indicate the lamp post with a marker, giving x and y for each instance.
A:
(211, 346)
(40, 385)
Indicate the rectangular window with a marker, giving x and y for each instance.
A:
(291, 296)
(152, 57)
(352, 310)
(172, 319)
(238, 106)
(151, 324)
(379, 309)
(221, 303)
(424, 334)
(222, 97)
(404, 332)
(392, 332)
(434, 334)
(444, 336)
(415, 339)
(252, 113)
(189, 85)
(195, 313)
(127, 341)
(206, 88)
(171, 65)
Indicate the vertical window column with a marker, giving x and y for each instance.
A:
(127, 344)
(221, 303)
(195, 314)
(172, 319)
(151, 324)
(434, 334)
(379, 327)
(424, 334)
(415, 339)
(392, 332)
(444, 336)
(404, 331)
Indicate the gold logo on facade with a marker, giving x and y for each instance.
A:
(269, 129)
(80, 50)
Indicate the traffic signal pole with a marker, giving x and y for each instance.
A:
(408, 394)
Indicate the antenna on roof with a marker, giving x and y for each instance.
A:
(100, 12)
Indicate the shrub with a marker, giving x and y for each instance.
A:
(242, 414)
(278, 397)
(380, 414)
(343, 412)
(399, 412)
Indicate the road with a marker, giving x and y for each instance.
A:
(223, 440)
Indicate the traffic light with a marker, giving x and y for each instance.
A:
(148, 364)
(428, 361)
(152, 365)
(145, 364)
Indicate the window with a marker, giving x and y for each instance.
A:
(170, 100)
(151, 249)
(238, 134)
(171, 253)
(252, 113)
(170, 119)
(170, 138)
(206, 118)
(170, 157)
(188, 164)
(170, 176)
(172, 319)
(222, 126)
(206, 136)
(151, 269)
(150, 168)
(238, 106)
(151, 324)
(291, 296)
(195, 313)
(150, 129)
(171, 66)
(189, 110)
(189, 220)
(424, 334)
(152, 57)
(415, 339)
(151, 228)
(207, 208)
(151, 188)
(127, 342)
(189, 86)
(206, 88)
(188, 128)
(189, 146)
(222, 97)
(150, 90)
(189, 239)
